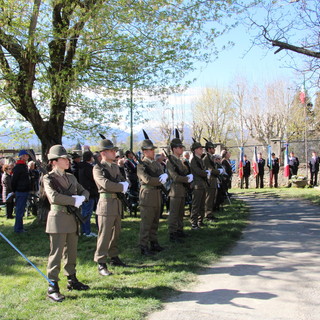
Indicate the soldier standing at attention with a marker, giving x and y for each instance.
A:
(211, 191)
(200, 176)
(178, 173)
(62, 227)
(151, 176)
(109, 208)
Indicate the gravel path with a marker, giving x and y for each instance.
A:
(272, 272)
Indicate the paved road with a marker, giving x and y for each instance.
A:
(272, 273)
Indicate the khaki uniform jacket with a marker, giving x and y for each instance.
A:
(177, 188)
(199, 173)
(210, 165)
(59, 219)
(149, 191)
(111, 205)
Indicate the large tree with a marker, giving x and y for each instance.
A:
(270, 112)
(63, 63)
(212, 115)
(292, 28)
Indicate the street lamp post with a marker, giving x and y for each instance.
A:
(131, 115)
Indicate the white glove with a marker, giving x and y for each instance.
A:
(163, 178)
(79, 200)
(190, 178)
(125, 186)
(220, 170)
(208, 173)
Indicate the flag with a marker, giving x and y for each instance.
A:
(302, 94)
(241, 163)
(269, 162)
(255, 167)
(286, 171)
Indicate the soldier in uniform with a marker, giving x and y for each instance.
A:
(109, 208)
(62, 227)
(211, 190)
(178, 173)
(151, 177)
(200, 176)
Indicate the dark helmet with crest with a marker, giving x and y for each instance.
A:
(147, 144)
(176, 142)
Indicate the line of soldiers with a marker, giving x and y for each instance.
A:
(205, 174)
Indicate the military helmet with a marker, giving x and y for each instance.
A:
(209, 144)
(176, 143)
(147, 144)
(195, 145)
(106, 144)
(57, 151)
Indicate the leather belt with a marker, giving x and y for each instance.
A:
(59, 208)
(146, 186)
(105, 195)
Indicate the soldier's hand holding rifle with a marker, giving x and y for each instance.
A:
(125, 186)
(208, 174)
(78, 200)
(190, 177)
(163, 178)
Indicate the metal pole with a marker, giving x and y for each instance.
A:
(131, 116)
(23, 256)
(305, 137)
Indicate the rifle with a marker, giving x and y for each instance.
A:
(108, 176)
(59, 188)
(162, 187)
(176, 168)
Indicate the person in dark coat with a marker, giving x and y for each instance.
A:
(260, 175)
(274, 170)
(227, 165)
(314, 169)
(293, 165)
(130, 167)
(76, 158)
(7, 189)
(87, 181)
(246, 173)
(21, 186)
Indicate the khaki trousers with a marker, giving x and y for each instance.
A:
(107, 242)
(149, 225)
(211, 195)
(175, 219)
(62, 244)
(198, 206)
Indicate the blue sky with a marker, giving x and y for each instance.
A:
(258, 65)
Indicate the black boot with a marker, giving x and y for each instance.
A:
(155, 247)
(145, 251)
(75, 284)
(103, 270)
(54, 292)
(115, 261)
(173, 237)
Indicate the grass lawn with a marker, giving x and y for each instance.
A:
(130, 293)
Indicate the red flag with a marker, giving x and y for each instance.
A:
(255, 167)
(302, 95)
(241, 161)
(286, 171)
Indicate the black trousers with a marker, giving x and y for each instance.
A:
(259, 180)
(314, 178)
(244, 180)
